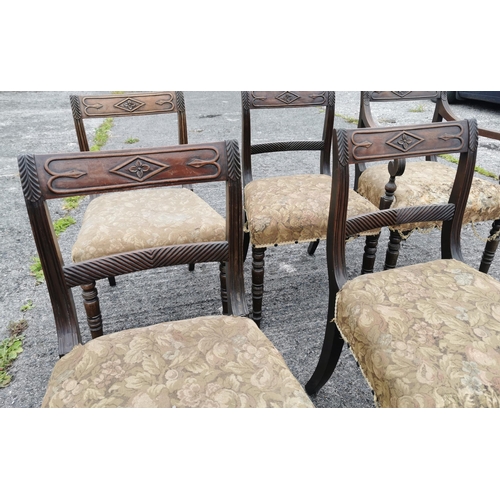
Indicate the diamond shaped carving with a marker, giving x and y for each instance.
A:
(405, 141)
(401, 93)
(129, 104)
(287, 97)
(139, 169)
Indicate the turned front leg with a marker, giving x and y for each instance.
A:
(92, 308)
(257, 282)
(490, 248)
(392, 254)
(369, 254)
(223, 287)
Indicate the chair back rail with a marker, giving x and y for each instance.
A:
(75, 174)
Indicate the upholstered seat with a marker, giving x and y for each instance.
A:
(287, 209)
(128, 221)
(427, 335)
(420, 185)
(213, 361)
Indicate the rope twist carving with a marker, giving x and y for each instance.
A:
(116, 265)
(287, 146)
(397, 216)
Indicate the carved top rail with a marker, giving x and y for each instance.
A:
(132, 104)
(59, 175)
(401, 95)
(286, 98)
(407, 141)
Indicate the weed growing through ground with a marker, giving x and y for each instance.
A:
(60, 225)
(10, 348)
(417, 109)
(131, 140)
(71, 202)
(36, 270)
(102, 134)
(26, 307)
(477, 168)
(348, 119)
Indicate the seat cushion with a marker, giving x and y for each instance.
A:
(213, 361)
(426, 335)
(427, 182)
(289, 209)
(134, 220)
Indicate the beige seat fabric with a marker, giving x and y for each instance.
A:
(430, 182)
(426, 335)
(283, 210)
(217, 361)
(133, 220)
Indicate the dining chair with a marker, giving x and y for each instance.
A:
(429, 181)
(424, 335)
(206, 361)
(123, 105)
(289, 204)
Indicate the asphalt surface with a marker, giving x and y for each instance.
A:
(296, 287)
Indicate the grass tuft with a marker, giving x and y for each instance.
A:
(102, 134)
(72, 202)
(10, 348)
(60, 225)
(26, 307)
(417, 109)
(477, 168)
(348, 119)
(36, 270)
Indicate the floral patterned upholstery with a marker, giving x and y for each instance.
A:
(134, 220)
(213, 361)
(426, 335)
(430, 182)
(283, 210)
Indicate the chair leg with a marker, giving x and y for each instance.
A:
(112, 281)
(312, 247)
(191, 267)
(92, 309)
(257, 283)
(490, 248)
(371, 243)
(392, 254)
(246, 244)
(223, 287)
(329, 357)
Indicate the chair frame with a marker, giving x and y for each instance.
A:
(254, 100)
(442, 112)
(50, 176)
(355, 146)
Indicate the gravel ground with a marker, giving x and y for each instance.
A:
(296, 288)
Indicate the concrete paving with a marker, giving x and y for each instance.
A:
(296, 287)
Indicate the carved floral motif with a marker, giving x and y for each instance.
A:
(130, 104)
